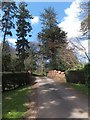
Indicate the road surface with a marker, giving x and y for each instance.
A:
(56, 100)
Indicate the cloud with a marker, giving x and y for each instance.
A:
(71, 22)
(86, 45)
(84, 58)
(0, 42)
(35, 20)
(83, 47)
(12, 41)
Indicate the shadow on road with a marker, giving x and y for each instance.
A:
(60, 101)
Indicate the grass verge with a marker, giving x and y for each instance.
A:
(80, 87)
(15, 102)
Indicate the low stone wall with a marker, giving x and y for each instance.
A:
(57, 75)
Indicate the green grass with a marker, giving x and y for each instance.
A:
(80, 87)
(15, 102)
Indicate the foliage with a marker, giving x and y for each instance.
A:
(16, 64)
(75, 76)
(67, 59)
(14, 103)
(13, 63)
(87, 73)
(9, 12)
(85, 24)
(30, 62)
(80, 87)
(51, 37)
(23, 29)
(6, 57)
(78, 67)
(77, 46)
(13, 80)
(80, 74)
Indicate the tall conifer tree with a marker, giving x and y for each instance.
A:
(23, 31)
(51, 36)
(9, 11)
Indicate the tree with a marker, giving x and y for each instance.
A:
(23, 28)
(9, 11)
(0, 22)
(68, 58)
(85, 28)
(85, 24)
(51, 37)
(13, 58)
(77, 45)
(6, 57)
(31, 61)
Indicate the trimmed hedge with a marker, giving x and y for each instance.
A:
(13, 80)
(87, 74)
(75, 76)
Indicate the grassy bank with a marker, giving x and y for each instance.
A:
(15, 102)
(80, 87)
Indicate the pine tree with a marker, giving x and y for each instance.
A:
(6, 57)
(9, 10)
(51, 36)
(23, 30)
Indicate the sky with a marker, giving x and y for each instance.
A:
(36, 8)
(67, 16)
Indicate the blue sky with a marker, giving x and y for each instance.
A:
(37, 8)
(67, 16)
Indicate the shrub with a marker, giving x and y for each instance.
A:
(75, 76)
(87, 73)
(13, 80)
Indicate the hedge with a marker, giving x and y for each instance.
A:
(13, 80)
(87, 74)
(75, 76)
